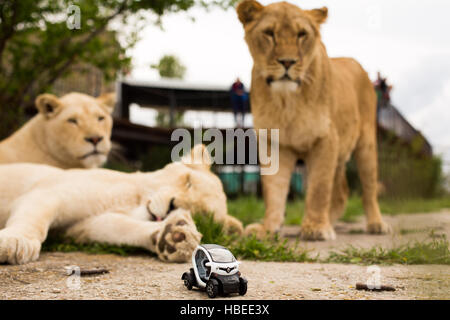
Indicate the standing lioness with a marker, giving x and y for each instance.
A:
(324, 108)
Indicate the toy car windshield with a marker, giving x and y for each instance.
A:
(221, 255)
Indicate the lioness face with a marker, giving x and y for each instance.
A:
(282, 39)
(194, 186)
(77, 127)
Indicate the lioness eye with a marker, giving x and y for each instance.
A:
(72, 120)
(101, 118)
(301, 34)
(269, 33)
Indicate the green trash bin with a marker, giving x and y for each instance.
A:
(297, 183)
(231, 179)
(251, 179)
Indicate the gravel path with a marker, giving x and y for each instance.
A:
(142, 277)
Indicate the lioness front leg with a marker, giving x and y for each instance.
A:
(27, 228)
(172, 239)
(230, 223)
(321, 163)
(275, 190)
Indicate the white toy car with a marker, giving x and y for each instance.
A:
(216, 270)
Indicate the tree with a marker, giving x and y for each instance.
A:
(37, 47)
(170, 67)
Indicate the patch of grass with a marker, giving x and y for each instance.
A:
(357, 231)
(250, 209)
(396, 206)
(354, 210)
(433, 251)
(56, 243)
(250, 248)
(247, 209)
(413, 230)
(415, 205)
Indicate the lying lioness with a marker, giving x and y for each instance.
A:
(324, 108)
(148, 210)
(73, 131)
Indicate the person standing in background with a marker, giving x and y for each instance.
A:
(239, 100)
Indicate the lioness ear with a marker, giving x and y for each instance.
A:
(185, 180)
(248, 10)
(48, 105)
(199, 158)
(319, 15)
(108, 101)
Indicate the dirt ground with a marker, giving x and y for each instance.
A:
(142, 277)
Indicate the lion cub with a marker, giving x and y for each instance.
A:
(148, 210)
(73, 131)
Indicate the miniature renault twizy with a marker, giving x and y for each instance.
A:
(215, 269)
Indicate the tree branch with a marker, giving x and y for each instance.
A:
(56, 73)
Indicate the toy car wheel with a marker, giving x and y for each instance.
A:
(188, 280)
(212, 288)
(242, 286)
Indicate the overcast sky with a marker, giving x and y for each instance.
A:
(408, 41)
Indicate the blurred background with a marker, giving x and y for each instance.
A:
(176, 63)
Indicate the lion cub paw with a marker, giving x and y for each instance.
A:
(378, 228)
(16, 249)
(177, 238)
(317, 232)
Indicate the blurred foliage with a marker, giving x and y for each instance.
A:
(404, 171)
(37, 47)
(407, 173)
(170, 66)
(155, 158)
(150, 159)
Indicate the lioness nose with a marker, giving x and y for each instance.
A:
(94, 140)
(287, 63)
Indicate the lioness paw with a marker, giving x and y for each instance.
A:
(378, 228)
(316, 232)
(16, 249)
(233, 225)
(158, 204)
(178, 237)
(256, 229)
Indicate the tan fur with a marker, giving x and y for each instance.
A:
(109, 207)
(52, 137)
(324, 108)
